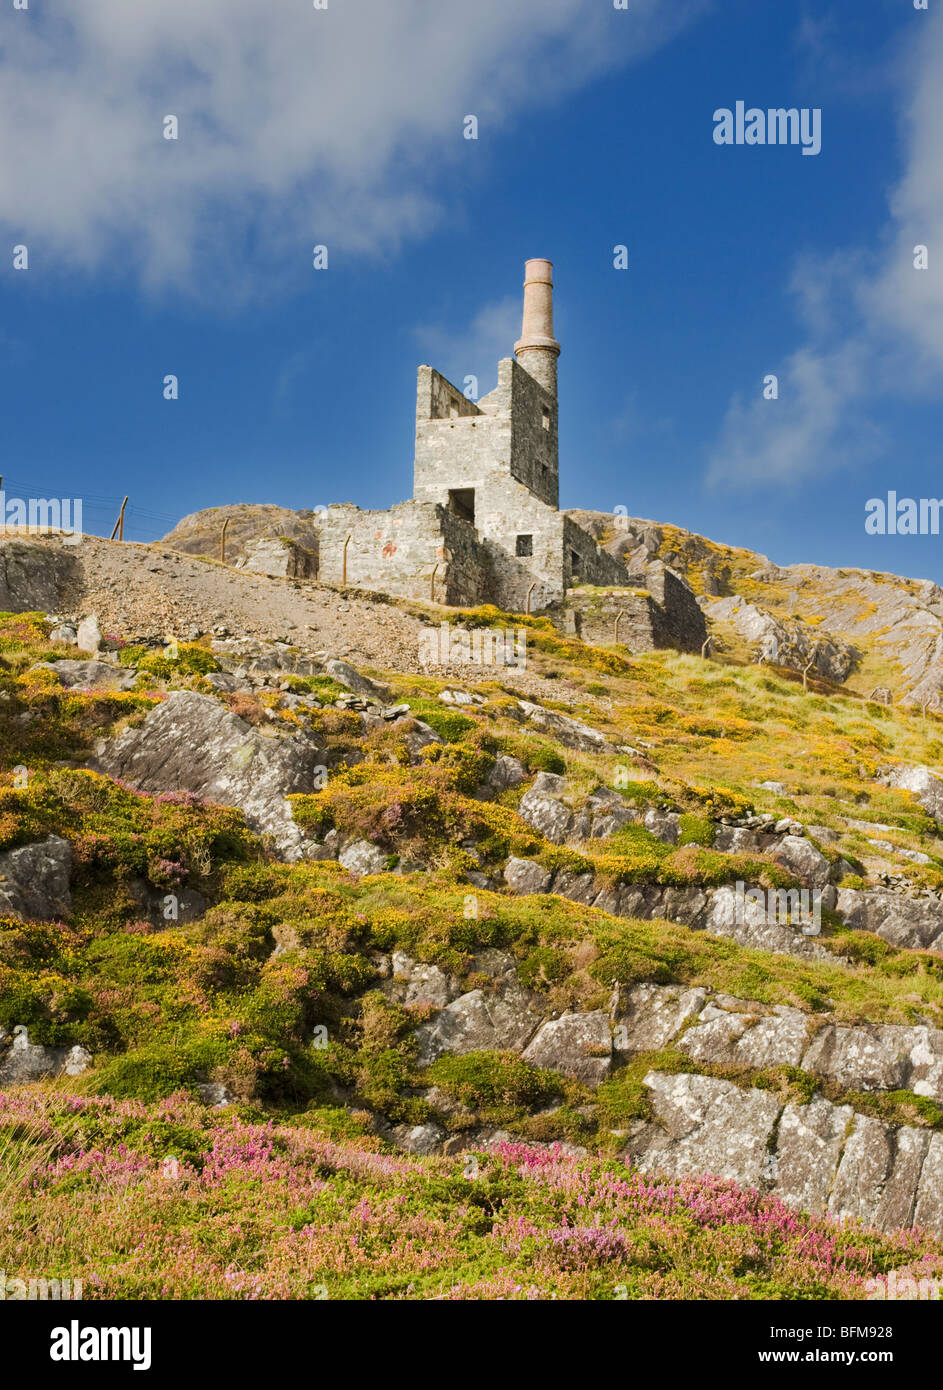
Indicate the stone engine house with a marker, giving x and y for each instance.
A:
(484, 525)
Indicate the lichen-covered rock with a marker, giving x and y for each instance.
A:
(192, 743)
(507, 772)
(911, 923)
(728, 1038)
(654, 1016)
(577, 1045)
(525, 876)
(879, 1174)
(542, 808)
(361, 857)
(418, 1139)
(25, 1062)
(35, 577)
(89, 675)
(923, 782)
(34, 880)
(414, 983)
(709, 1126)
(860, 1059)
(803, 860)
(809, 1143)
(572, 733)
(345, 675)
(506, 1016)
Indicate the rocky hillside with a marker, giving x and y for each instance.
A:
(200, 532)
(599, 975)
(862, 627)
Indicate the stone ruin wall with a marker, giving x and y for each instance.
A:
(415, 550)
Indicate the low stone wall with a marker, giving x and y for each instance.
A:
(656, 609)
(416, 550)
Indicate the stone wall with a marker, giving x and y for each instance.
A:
(279, 556)
(656, 609)
(416, 550)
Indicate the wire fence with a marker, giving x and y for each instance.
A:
(99, 513)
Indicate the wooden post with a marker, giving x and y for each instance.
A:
(529, 592)
(222, 542)
(435, 571)
(119, 524)
(619, 616)
(704, 647)
(344, 565)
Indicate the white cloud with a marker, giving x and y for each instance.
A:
(296, 125)
(477, 349)
(874, 323)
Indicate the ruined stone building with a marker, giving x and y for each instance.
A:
(484, 524)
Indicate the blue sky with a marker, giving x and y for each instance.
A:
(344, 127)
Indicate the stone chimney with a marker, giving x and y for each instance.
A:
(538, 350)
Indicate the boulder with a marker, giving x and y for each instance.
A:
(708, 1126)
(543, 810)
(418, 1139)
(25, 1061)
(345, 675)
(362, 857)
(578, 1045)
(925, 784)
(89, 636)
(90, 675)
(507, 772)
(192, 743)
(572, 733)
(524, 876)
(802, 859)
(34, 880)
(911, 923)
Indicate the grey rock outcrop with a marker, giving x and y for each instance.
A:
(505, 1017)
(925, 784)
(35, 577)
(572, 733)
(819, 1157)
(911, 923)
(90, 675)
(192, 743)
(34, 880)
(361, 857)
(24, 1062)
(577, 1045)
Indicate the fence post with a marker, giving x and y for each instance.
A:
(119, 524)
(222, 542)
